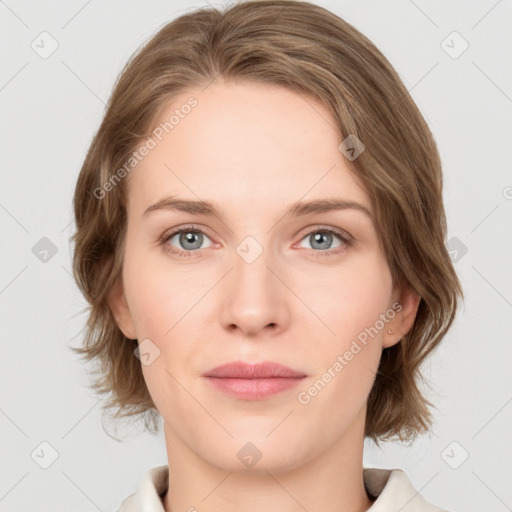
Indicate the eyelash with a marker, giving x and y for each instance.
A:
(347, 241)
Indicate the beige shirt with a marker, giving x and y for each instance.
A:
(390, 488)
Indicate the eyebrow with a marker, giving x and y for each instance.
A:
(300, 208)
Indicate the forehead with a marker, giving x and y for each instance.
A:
(245, 144)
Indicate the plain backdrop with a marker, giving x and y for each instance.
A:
(59, 60)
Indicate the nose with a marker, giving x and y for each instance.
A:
(255, 297)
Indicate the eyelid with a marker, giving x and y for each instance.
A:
(330, 229)
(169, 233)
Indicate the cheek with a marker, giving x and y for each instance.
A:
(158, 296)
(348, 298)
(350, 302)
(166, 309)
(161, 308)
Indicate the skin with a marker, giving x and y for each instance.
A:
(252, 149)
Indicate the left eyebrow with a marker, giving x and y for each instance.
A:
(300, 208)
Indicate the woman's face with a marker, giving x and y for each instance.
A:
(256, 281)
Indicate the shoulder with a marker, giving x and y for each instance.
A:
(392, 490)
(148, 496)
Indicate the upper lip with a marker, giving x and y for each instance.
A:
(242, 370)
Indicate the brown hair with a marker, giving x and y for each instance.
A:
(313, 52)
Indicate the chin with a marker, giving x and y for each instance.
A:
(255, 451)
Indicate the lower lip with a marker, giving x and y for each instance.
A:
(254, 389)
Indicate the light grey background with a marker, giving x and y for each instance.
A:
(50, 109)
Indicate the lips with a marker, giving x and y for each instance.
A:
(253, 381)
(264, 370)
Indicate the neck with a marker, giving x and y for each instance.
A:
(331, 482)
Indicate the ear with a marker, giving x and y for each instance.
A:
(119, 307)
(403, 320)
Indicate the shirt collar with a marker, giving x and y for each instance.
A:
(390, 488)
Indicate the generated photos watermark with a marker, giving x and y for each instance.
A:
(305, 397)
(150, 143)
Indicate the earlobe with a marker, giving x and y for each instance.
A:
(404, 319)
(120, 310)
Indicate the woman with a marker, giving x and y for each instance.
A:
(260, 236)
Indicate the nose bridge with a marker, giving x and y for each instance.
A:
(253, 299)
(252, 278)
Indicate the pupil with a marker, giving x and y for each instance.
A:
(319, 236)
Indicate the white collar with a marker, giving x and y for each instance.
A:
(391, 489)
